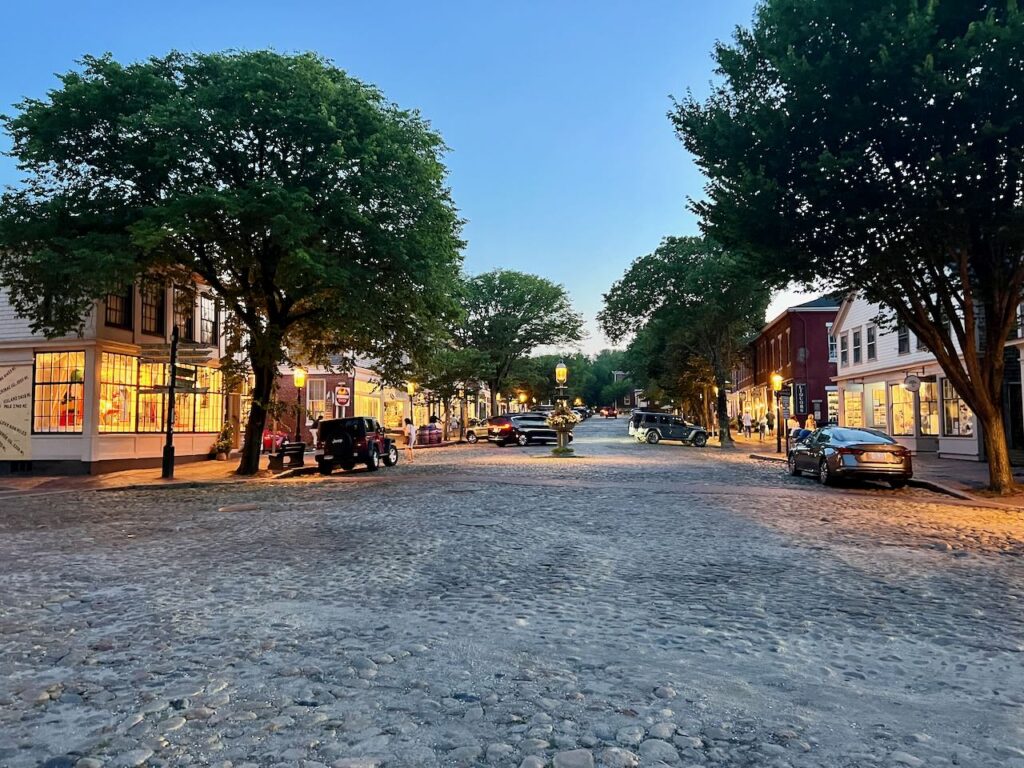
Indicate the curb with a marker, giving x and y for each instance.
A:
(766, 457)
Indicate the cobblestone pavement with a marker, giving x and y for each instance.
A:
(646, 605)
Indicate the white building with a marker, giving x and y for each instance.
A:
(91, 403)
(888, 380)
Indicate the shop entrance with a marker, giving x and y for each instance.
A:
(1013, 406)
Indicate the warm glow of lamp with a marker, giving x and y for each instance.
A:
(522, 397)
(299, 377)
(579, 401)
(410, 387)
(561, 373)
(776, 382)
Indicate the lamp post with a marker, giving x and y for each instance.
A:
(562, 419)
(776, 388)
(299, 377)
(522, 401)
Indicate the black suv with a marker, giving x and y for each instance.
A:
(654, 427)
(521, 429)
(347, 442)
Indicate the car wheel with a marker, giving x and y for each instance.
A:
(653, 437)
(793, 469)
(523, 440)
(898, 482)
(825, 473)
(391, 457)
(700, 441)
(471, 437)
(373, 463)
(325, 468)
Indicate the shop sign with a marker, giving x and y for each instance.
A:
(784, 399)
(342, 395)
(800, 398)
(912, 383)
(16, 413)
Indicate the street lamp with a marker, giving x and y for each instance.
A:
(299, 377)
(776, 388)
(522, 401)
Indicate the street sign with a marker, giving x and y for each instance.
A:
(342, 395)
(912, 383)
(784, 398)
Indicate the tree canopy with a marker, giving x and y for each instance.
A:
(878, 146)
(316, 209)
(509, 315)
(690, 300)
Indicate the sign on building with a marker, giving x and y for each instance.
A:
(16, 413)
(800, 398)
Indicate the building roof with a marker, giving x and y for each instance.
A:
(826, 303)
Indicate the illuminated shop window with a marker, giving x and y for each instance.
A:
(119, 376)
(58, 392)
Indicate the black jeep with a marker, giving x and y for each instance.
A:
(347, 442)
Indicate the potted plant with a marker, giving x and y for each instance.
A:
(225, 442)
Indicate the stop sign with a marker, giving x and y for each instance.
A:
(341, 395)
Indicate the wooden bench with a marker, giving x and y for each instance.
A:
(294, 452)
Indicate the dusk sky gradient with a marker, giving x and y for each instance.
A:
(562, 159)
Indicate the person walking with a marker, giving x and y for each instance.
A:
(762, 427)
(314, 428)
(410, 440)
(770, 417)
(810, 424)
(747, 423)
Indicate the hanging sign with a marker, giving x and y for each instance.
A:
(342, 395)
(912, 383)
(800, 398)
(16, 413)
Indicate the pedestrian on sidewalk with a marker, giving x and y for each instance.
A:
(314, 428)
(770, 417)
(792, 426)
(762, 427)
(410, 440)
(747, 423)
(810, 424)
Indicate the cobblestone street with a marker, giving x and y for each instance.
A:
(643, 605)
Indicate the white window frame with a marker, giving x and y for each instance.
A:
(833, 345)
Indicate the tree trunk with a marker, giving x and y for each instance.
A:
(493, 386)
(1000, 474)
(254, 425)
(724, 435)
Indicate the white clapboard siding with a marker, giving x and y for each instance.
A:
(858, 315)
(15, 328)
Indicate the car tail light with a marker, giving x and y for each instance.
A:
(319, 443)
(850, 451)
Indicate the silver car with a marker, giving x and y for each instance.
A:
(833, 453)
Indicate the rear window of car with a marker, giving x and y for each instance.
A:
(845, 435)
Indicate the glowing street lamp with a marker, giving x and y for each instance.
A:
(776, 379)
(299, 377)
(561, 373)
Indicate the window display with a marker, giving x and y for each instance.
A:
(902, 410)
(928, 397)
(958, 418)
(119, 376)
(58, 392)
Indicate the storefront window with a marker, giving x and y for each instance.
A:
(152, 405)
(316, 398)
(59, 391)
(367, 400)
(902, 410)
(394, 414)
(119, 376)
(833, 406)
(853, 405)
(876, 399)
(209, 404)
(957, 418)
(928, 397)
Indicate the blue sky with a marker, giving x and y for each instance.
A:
(562, 160)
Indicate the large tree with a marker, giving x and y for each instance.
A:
(316, 209)
(880, 146)
(703, 301)
(509, 315)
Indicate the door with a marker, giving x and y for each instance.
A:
(1013, 407)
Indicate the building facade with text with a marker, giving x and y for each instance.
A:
(95, 403)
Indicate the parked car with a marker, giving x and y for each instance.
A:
(347, 442)
(476, 430)
(583, 413)
(652, 428)
(833, 453)
(521, 429)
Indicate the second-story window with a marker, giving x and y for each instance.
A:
(856, 347)
(844, 350)
(208, 320)
(872, 342)
(119, 307)
(788, 353)
(154, 308)
(902, 339)
(185, 314)
(832, 351)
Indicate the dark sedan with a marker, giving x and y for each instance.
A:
(833, 453)
(521, 429)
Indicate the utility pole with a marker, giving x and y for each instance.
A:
(167, 467)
